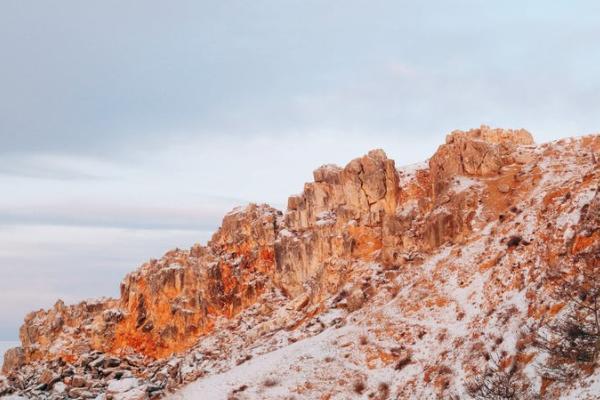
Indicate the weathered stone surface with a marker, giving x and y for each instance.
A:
(358, 212)
(340, 243)
(170, 302)
(78, 381)
(478, 152)
(13, 359)
(48, 377)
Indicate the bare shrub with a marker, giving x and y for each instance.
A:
(270, 382)
(499, 381)
(403, 362)
(359, 386)
(572, 339)
(514, 241)
(384, 391)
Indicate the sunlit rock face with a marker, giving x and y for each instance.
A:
(338, 218)
(166, 304)
(367, 211)
(479, 152)
(169, 302)
(437, 258)
(67, 331)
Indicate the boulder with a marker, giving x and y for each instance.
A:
(13, 360)
(78, 381)
(477, 152)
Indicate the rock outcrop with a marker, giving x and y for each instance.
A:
(167, 304)
(438, 258)
(479, 152)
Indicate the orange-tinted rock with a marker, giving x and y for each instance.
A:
(367, 212)
(169, 303)
(13, 359)
(78, 328)
(478, 152)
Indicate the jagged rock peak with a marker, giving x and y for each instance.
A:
(446, 260)
(493, 135)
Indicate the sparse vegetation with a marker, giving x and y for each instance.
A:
(572, 339)
(270, 382)
(514, 241)
(497, 382)
(383, 391)
(403, 362)
(234, 392)
(359, 386)
(244, 359)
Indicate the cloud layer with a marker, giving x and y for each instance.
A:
(130, 128)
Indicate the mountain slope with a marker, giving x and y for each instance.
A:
(377, 282)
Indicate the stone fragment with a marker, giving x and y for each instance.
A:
(78, 381)
(503, 188)
(13, 359)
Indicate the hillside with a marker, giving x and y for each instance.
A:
(471, 272)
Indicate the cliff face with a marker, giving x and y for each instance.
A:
(441, 258)
(166, 304)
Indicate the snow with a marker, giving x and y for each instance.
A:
(589, 390)
(258, 369)
(123, 385)
(440, 300)
(411, 169)
(462, 183)
(407, 208)
(326, 218)
(285, 233)
(173, 267)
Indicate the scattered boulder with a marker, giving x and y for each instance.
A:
(78, 381)
(59, 388)
(48, 377)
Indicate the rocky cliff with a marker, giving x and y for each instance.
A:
(407, 282)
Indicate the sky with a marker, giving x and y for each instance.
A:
(130, 127)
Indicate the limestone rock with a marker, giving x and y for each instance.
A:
(503, 188)
(13, 359)
(478, 152)
(170, 302)
(399, 253)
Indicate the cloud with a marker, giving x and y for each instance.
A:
(162, 75)
(145, 125)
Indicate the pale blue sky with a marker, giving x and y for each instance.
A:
(130, 127)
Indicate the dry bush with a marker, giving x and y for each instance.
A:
(383, 391)
(572, 339)
(270, 382)
(359, 386)
(499, 381)
(363, 340)
(403, 362)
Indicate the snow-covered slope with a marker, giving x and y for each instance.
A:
(377, 282)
